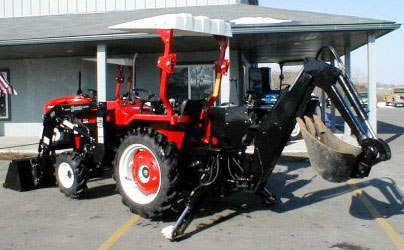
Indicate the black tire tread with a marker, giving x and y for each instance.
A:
(80, 184)
(167, 154)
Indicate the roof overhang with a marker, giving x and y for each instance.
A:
(380, 29)
(301, 35)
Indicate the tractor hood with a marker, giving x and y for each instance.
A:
(70, 99)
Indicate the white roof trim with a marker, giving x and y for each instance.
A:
(258, 20)
(186, 24)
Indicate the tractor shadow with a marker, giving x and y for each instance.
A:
(391, 129)
(284, 184)
(392, 203)
(100, 187)
(100, 192)
(225, 209)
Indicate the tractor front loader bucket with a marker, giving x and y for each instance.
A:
(32, 173)
(27, 174)
(330, 156)
(20, 175)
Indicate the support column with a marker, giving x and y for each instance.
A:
(372, 80)
(348, 70)
(102, 72)
(226, 86)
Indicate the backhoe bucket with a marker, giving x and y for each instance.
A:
(20, 175)
(331, 157)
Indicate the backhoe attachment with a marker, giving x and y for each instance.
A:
(330, 156)
(334, 159)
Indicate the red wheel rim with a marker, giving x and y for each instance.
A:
(146, 172)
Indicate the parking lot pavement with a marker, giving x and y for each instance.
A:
(311, 214)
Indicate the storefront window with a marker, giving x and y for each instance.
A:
(4, 99)
(178, 84)
(3, 106)
(201, 82)
(191, 82)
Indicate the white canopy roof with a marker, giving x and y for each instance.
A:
(184, 23)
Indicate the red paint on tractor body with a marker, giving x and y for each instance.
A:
(176, 137)
(166, 63)
(123, 112)
(77, 141)
(67, 100)
(221, 68)
(146, 172)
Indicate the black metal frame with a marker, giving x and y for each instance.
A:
(273, 133)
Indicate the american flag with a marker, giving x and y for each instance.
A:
(5, 86)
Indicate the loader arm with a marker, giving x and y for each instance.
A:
(42, 166)
(28, 174)
(274, 131)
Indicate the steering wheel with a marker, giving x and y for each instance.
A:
(135, 93)
(93, 92)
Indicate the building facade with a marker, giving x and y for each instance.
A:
(44, 44)
(39, 79)
(25, 8)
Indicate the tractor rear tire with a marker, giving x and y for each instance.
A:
(147, 173)
(71, 174)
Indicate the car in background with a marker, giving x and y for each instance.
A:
(396, 98)
(364, 100)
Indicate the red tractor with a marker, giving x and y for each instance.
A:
(160, 149)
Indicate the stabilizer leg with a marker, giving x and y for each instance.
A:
(267, 197)
(195, 200)
(174, 231)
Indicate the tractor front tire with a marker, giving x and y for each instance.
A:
(71, 174)
(146, 172)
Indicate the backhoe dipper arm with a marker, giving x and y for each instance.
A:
(276, 128)
(347, 101)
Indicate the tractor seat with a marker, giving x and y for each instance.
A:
(192, 108)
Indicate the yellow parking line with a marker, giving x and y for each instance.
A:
(119, 233)
(2, 181)
(384, 224)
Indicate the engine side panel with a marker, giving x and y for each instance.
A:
(230, 124)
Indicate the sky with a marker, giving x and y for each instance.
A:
(389, 49)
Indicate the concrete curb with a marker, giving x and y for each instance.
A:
(8, 155)
(294, 151)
